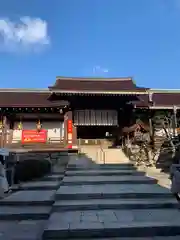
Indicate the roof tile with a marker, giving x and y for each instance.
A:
(24, 99)
(166, 99)
(95, 85)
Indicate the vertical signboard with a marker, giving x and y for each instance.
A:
(69, 131)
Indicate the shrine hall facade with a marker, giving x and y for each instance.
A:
(77, 110)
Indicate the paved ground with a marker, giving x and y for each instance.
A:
(163, 178)
(24, 214)
(90, 200)
(90, 204)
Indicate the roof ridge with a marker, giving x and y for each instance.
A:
(25, 90)
(94, 78)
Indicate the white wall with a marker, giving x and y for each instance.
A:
(55, 130)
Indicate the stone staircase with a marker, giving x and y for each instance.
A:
(111, 202)
(24, 213)
(91, 201)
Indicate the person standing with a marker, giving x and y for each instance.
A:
(175, 180)
(4, 186)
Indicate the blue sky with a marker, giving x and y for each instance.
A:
(41, 39)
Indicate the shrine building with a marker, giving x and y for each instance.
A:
(77, 111)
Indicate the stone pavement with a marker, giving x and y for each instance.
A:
(24, 213)
(90, 204)
(91, 201)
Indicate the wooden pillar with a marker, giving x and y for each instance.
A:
(70, 133)
(74, 136)
(150, 123)
(4, 132)
(151, 129)
(175, 121)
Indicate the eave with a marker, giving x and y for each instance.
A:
(115, 93)
(24, 90)
(164, 90)
(94, 78)
(164, 107)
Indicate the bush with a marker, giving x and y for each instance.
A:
(30, 169)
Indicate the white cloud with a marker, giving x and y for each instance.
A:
(99, 70)
(26, 33)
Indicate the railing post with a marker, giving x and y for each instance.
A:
(104, 157)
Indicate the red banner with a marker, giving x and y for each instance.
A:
(34, 136)
(69, 126)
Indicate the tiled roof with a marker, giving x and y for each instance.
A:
(25, 99)
(41, 97)
(166, 99)
(160, 99)
(95, 84)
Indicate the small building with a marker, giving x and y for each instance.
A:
(77, 111)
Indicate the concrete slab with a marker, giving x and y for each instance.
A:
(21, 230)
(103, 166)
(40, 185)
(97, 204)
(24, 212)
(134, 238)
(30, 198)
(54, 177)
(110, 223)
(112, 191)
(103, 173)
(58, 171)
(75, 180)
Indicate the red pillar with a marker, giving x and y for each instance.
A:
(70, 131)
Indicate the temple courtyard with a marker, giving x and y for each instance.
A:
(90, 199)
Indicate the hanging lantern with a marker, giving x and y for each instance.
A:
(20, 126)
(39, 126)
(1, 124)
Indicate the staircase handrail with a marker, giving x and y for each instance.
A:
(102, 154)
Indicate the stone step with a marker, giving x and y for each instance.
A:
(112, 191)
(103, 166)
(19, 213)
(22, 230)
(54, 177)
(77, 168)
(97, 204)
(113, 223)
(103, 173)
(108, 164)
(134, 238)
(58, 172)
(100, 168)
(86, 180)
(40, 185)
(30, 198)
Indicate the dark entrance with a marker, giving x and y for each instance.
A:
(96, 135)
